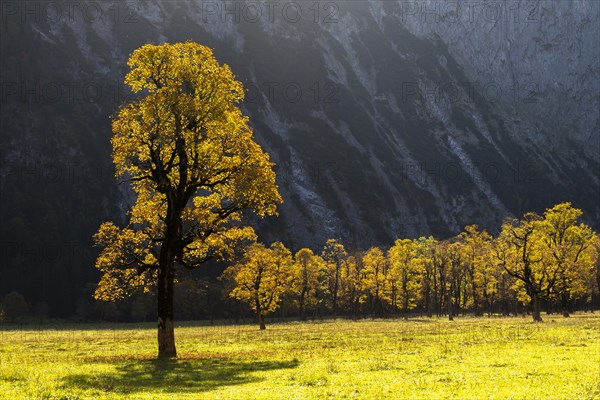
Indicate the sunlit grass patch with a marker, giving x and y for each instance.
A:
(470, 358)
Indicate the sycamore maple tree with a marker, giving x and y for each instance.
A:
(567, 241)
(190, 158)
(406, 270)
(546, 254)
(375, 279)
(261, 278)
(309, 281)
(479, 265)
(334, 254)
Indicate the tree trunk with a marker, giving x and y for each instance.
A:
(166, 333)
(335, 291)
(565, 298)
(450, 309)
(166, 276)
(302, 305)
(565, 306)
(209, 304)
(443, 303)
(427, 297)
(476, 300)
(487, 302)
(535, 312)
(436, 303)
(259, 313)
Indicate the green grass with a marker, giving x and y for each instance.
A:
(470, 358)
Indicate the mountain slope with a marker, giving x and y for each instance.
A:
(382, 123)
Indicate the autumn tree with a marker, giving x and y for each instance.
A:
(425, 249)
(547, 255)
(351, 289)
(521, 252)
(566, 241)
(376, 279)
(334, 255)
(479, 266)
(261, 278)
(438, 253)
(405, 274)
(190, 157)
(593, 276)
(309, 281)
(506, 295)
(304, 278)
(321, 290)
(454, 277)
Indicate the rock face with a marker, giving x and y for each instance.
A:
(539, 55)
(385, 119)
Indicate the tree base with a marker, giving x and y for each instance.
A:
(166, 339)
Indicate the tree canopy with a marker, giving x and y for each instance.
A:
(190, 157)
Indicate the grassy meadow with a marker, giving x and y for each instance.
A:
(469, 358)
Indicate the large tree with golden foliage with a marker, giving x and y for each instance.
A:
(567, 241)
(547, 255)
(191, 159)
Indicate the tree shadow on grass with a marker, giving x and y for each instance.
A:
(175, 376)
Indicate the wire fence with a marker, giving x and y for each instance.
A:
(316, 333)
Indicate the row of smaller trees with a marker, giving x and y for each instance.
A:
(548, 259)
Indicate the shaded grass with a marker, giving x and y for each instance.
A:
(194, 375)
(471, 358)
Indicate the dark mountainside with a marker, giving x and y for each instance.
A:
(384, 121)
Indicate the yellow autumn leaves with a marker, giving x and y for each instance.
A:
(262, 277)
(550, 258)
(189, 155)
